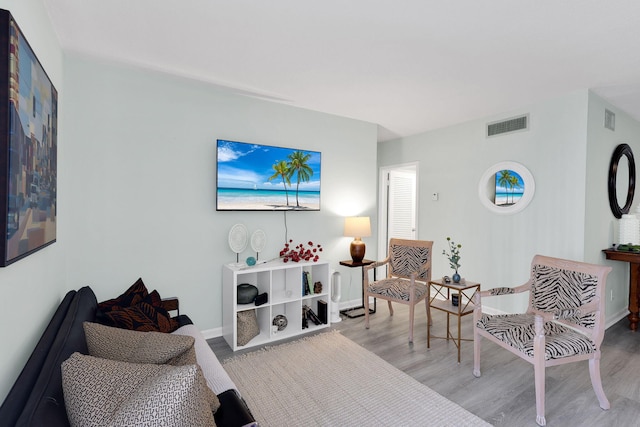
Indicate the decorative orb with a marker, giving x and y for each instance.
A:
(280, 321)
(246, 293)
(251, 261)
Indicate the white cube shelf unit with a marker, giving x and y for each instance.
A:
(284, 285)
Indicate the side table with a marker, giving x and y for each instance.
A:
(633, 258)
(354, 312)
(464, 292)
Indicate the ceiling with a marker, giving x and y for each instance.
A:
(407, 65)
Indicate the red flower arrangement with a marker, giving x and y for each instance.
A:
(300, 252)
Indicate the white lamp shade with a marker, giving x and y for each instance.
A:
(357, 226)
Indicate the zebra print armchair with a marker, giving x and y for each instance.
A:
(564, 322)
(407, 281)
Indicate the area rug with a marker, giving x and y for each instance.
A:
(328, 380)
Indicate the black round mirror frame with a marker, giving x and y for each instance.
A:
(621, 150)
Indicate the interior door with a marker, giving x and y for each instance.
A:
(398, 205)
(402, 204)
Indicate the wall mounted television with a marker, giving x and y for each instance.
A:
(255, 177)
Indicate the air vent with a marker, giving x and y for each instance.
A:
(609, 119)
(515, 124)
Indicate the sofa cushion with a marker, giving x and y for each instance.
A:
(145, 316)
(145, 347)
(100, 392)
(132, 296)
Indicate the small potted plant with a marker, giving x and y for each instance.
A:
(454, 258)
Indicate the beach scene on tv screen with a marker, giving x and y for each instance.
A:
(264, 177)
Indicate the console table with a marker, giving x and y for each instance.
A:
(633, 259)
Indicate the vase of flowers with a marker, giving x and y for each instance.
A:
(454, 258)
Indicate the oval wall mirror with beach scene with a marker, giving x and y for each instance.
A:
(506, 188)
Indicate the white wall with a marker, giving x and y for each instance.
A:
(601, 226)
(136, 187)
(32, 288)
(141, 151)
(497, 249)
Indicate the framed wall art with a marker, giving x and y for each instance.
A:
(28, 140)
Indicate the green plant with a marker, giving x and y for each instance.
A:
(454, 254)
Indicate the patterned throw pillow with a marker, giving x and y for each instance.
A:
(145, 347)
(99, 392)
(145, 316)
(132, 296)
(247, 326)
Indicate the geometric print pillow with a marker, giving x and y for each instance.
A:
(100, 392)
(145, 347)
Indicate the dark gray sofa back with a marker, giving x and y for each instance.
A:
(36, 398)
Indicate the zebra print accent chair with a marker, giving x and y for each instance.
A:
(564, 321)
(407, 281)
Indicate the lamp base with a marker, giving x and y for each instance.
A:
(357, 250)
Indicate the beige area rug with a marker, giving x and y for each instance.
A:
(328, 380)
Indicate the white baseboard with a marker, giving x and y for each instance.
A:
(212, 333)
(616, 318)
(217, 332)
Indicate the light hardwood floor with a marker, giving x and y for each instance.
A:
(504, 394)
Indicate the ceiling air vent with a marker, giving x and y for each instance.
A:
(609, 119)
(515, 124)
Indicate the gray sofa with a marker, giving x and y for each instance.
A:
(36, 398)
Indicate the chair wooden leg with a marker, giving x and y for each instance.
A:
(539, 370)
(366, 311)
(596, 382)
(429, 321)
(476, 353)
(412, 309)
(390, 308)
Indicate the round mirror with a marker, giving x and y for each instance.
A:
(623, 174)
(506, 188)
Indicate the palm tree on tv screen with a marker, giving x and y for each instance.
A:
(298, 165)
(282, 170)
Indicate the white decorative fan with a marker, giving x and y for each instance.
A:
(336, 290)
(238, 239)
(258, 242)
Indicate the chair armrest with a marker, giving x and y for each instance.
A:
(494, 292)
(376, 264)
(415, 274)
(170, 304)
(568, 313)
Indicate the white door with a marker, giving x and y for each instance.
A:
(398, 205)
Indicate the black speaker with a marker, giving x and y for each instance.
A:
(262, 299)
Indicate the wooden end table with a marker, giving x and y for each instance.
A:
(465, 292)
(633, 258)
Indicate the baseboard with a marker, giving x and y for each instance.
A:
(212, 333)
(612, 320)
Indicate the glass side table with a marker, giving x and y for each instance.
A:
(443, 295)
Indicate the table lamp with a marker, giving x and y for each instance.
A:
(357, 227)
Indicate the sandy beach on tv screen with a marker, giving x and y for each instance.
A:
(252, 206)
